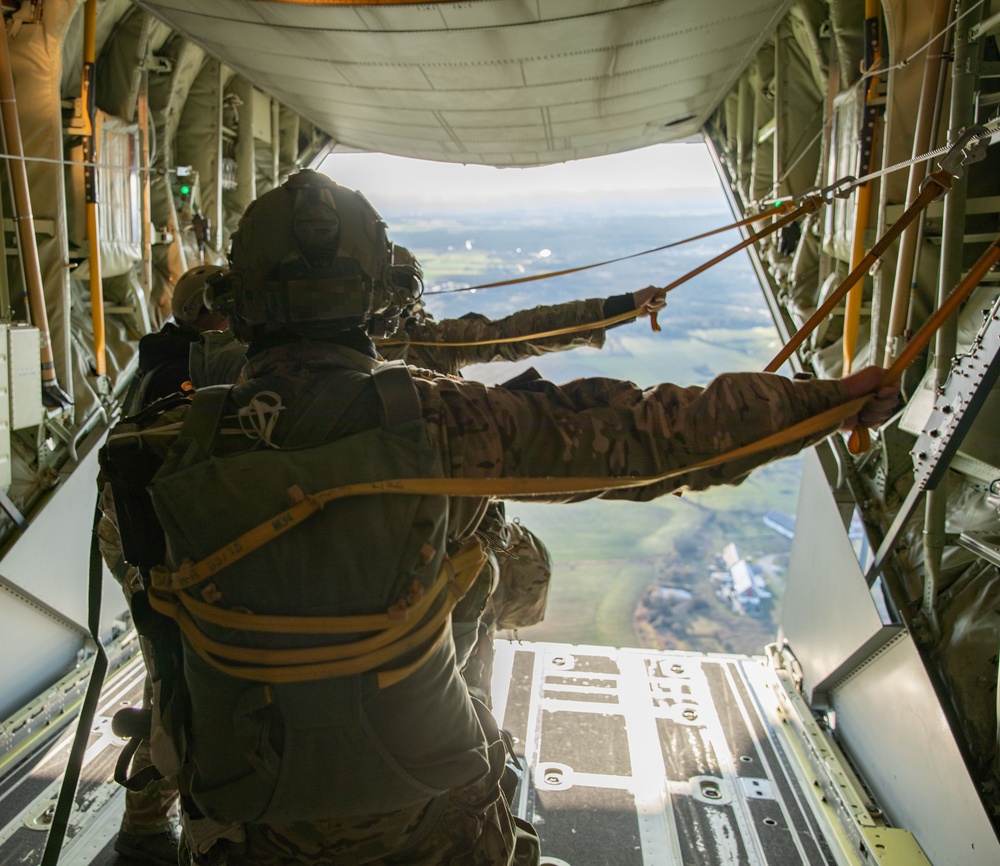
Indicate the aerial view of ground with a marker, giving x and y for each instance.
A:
(611, 558)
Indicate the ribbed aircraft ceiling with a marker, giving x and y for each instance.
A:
(493, 82)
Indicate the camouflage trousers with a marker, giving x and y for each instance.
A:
(155, 808)
(472, 826)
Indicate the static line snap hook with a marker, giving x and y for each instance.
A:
(970, 147)
(841, 188)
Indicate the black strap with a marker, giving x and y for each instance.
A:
(71, 776)
(137, 781)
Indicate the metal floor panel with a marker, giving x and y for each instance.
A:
(636, 758)
(28, 794)
(640, 757)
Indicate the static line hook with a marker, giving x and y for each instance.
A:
(970, 147)
(841, 188)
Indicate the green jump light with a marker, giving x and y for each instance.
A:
(185, 189)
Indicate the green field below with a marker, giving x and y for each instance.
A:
(608, 554)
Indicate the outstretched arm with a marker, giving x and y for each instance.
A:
(481, 330)
(608, 428)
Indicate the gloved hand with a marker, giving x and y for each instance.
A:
(881, 404)
(648, 301)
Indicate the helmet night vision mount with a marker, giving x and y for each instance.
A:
(312, 256)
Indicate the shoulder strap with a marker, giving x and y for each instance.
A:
(400, 401)
(136, 390)
(202, 423)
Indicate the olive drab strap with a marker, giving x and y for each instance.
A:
(203, 422)
(400, 402)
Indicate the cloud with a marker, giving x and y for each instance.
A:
(665, 171)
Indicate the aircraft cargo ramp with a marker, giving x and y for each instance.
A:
(634, 757)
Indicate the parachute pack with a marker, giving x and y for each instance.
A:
(350, 674)
(525, 572)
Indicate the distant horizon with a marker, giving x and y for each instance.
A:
(665, 172)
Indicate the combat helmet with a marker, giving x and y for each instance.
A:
(188, 300)
(311, 257)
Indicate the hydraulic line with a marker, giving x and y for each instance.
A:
(25, 221)
(869, 138)
(90, 154)
(922, 140)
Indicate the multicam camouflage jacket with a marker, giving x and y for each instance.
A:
(218, 357)
(475, 328)
(592, 427)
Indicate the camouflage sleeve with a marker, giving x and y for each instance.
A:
(606, 427)
(475, 328)
(108, 539)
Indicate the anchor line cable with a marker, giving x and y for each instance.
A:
(772, 211)
(790, 214)
(991, 129)
(82, 163)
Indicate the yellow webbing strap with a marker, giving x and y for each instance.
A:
(520, 338)
(809, 205)
(192, 573)
(312, 663)
(272, 624)
(212, 651)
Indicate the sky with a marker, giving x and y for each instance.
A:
(662, 170)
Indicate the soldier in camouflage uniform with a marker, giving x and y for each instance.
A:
(476, 331)
(149, 828)
(307, 346)
(459, 343)
(218, 358)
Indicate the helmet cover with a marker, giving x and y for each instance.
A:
(188, 300)
(308, 254)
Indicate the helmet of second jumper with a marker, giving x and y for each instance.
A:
(188, 300)
(310, 256)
